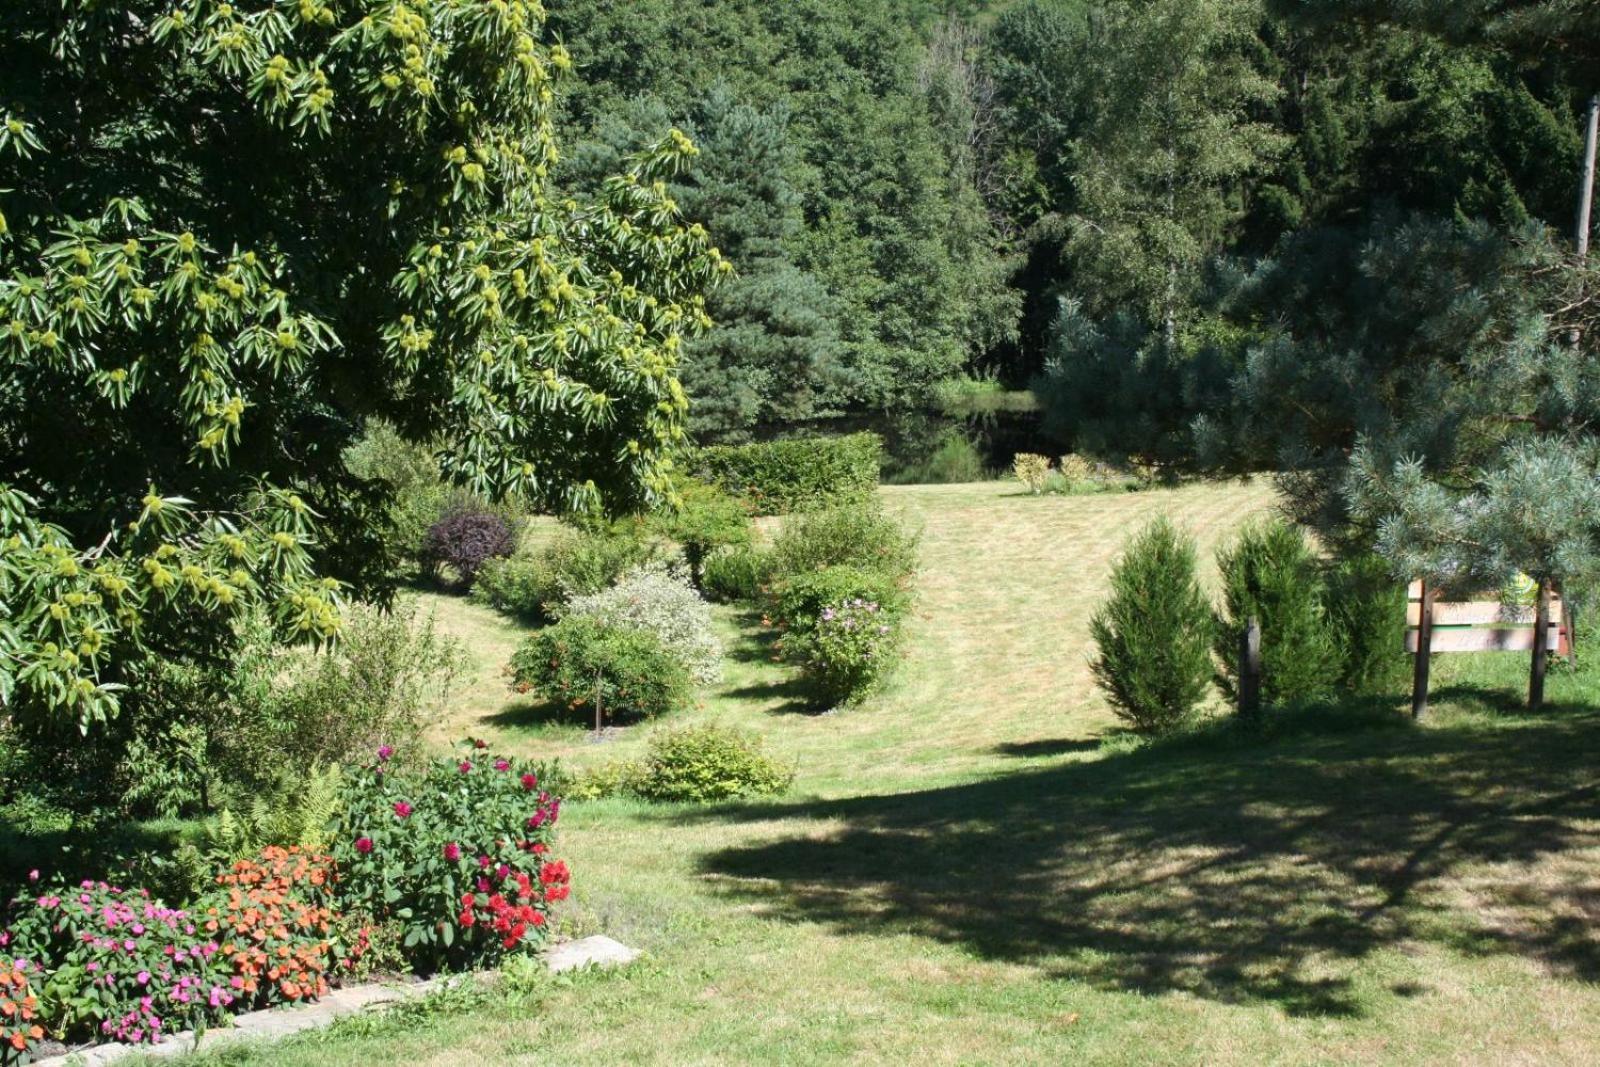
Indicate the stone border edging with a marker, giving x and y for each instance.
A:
(274, 1023)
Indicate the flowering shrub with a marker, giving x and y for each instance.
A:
(848, 651)
(456, 856)
(120, 965)
(664, 604)
(19, 1008)
(841, 626)
(635, 676)
(272, 920)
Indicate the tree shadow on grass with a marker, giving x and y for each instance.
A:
(525, 713)
(758, 645)
(1049, 747)
(1229, 868)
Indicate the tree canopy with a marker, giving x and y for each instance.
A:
(233, 232)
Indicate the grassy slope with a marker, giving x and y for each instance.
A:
(965, 875)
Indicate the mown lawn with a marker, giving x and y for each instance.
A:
(969, 871)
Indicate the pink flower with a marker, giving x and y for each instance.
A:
(385, 751)
(530, 782)
(143, 978)
(363, 845)
(466, 765)
(33, 876)
(402, 809)
(502, 765)
(452, 851)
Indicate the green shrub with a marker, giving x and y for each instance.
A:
(1271, 574)
(737, 573)
(457, 855)
(859, 535)
(698, 764)
(660, 601)
(578, 562)
(389, 675)
(777, 477)
(1153, 634)
(841, 628)
(635, 677)
(706, 520)
(1367, 612)
(419, 496)
(615, 779)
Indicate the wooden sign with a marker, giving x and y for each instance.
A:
(1480, 625)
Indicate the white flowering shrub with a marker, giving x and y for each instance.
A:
(661, 601)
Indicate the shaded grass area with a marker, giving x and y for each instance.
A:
(977, 867)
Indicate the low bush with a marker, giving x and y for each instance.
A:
(578, 562)
(706, 520)
(465, 539)
(699, 764)
(1031, 470)
(777, 477)
(1367, 612)
(275, 927)
(841, 627)
(734, 574)
(1153, 634)
(1271, 574)
(580, 656)
(456, 855)
(20, 1031)
(860, 535)
(118, 964)
(662, 603)
(389, 674)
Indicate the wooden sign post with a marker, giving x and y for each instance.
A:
(1481, 626)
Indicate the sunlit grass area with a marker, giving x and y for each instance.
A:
(977, 868)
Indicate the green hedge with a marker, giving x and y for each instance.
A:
(777, 477)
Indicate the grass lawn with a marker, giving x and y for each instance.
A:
(967, 873)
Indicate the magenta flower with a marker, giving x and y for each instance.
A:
(466, 765)
(363, 845)
(452, 851)
(402, 809)
(385, 751)
(502, 765)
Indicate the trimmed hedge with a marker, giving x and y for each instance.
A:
(777, 477)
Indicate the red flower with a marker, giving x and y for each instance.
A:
(452, 851)
(402, 809)
(466, 765)
(468, 900)
(478, 742)
(363, 845)
(502, 765)
(555, 873)
(467, 918)
(530, 782)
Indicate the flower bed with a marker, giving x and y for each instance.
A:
(457, 856)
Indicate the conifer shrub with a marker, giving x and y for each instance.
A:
(777, 477)
(580, 657)
(1271, 573)
(1153, 634)
(1367, 612)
